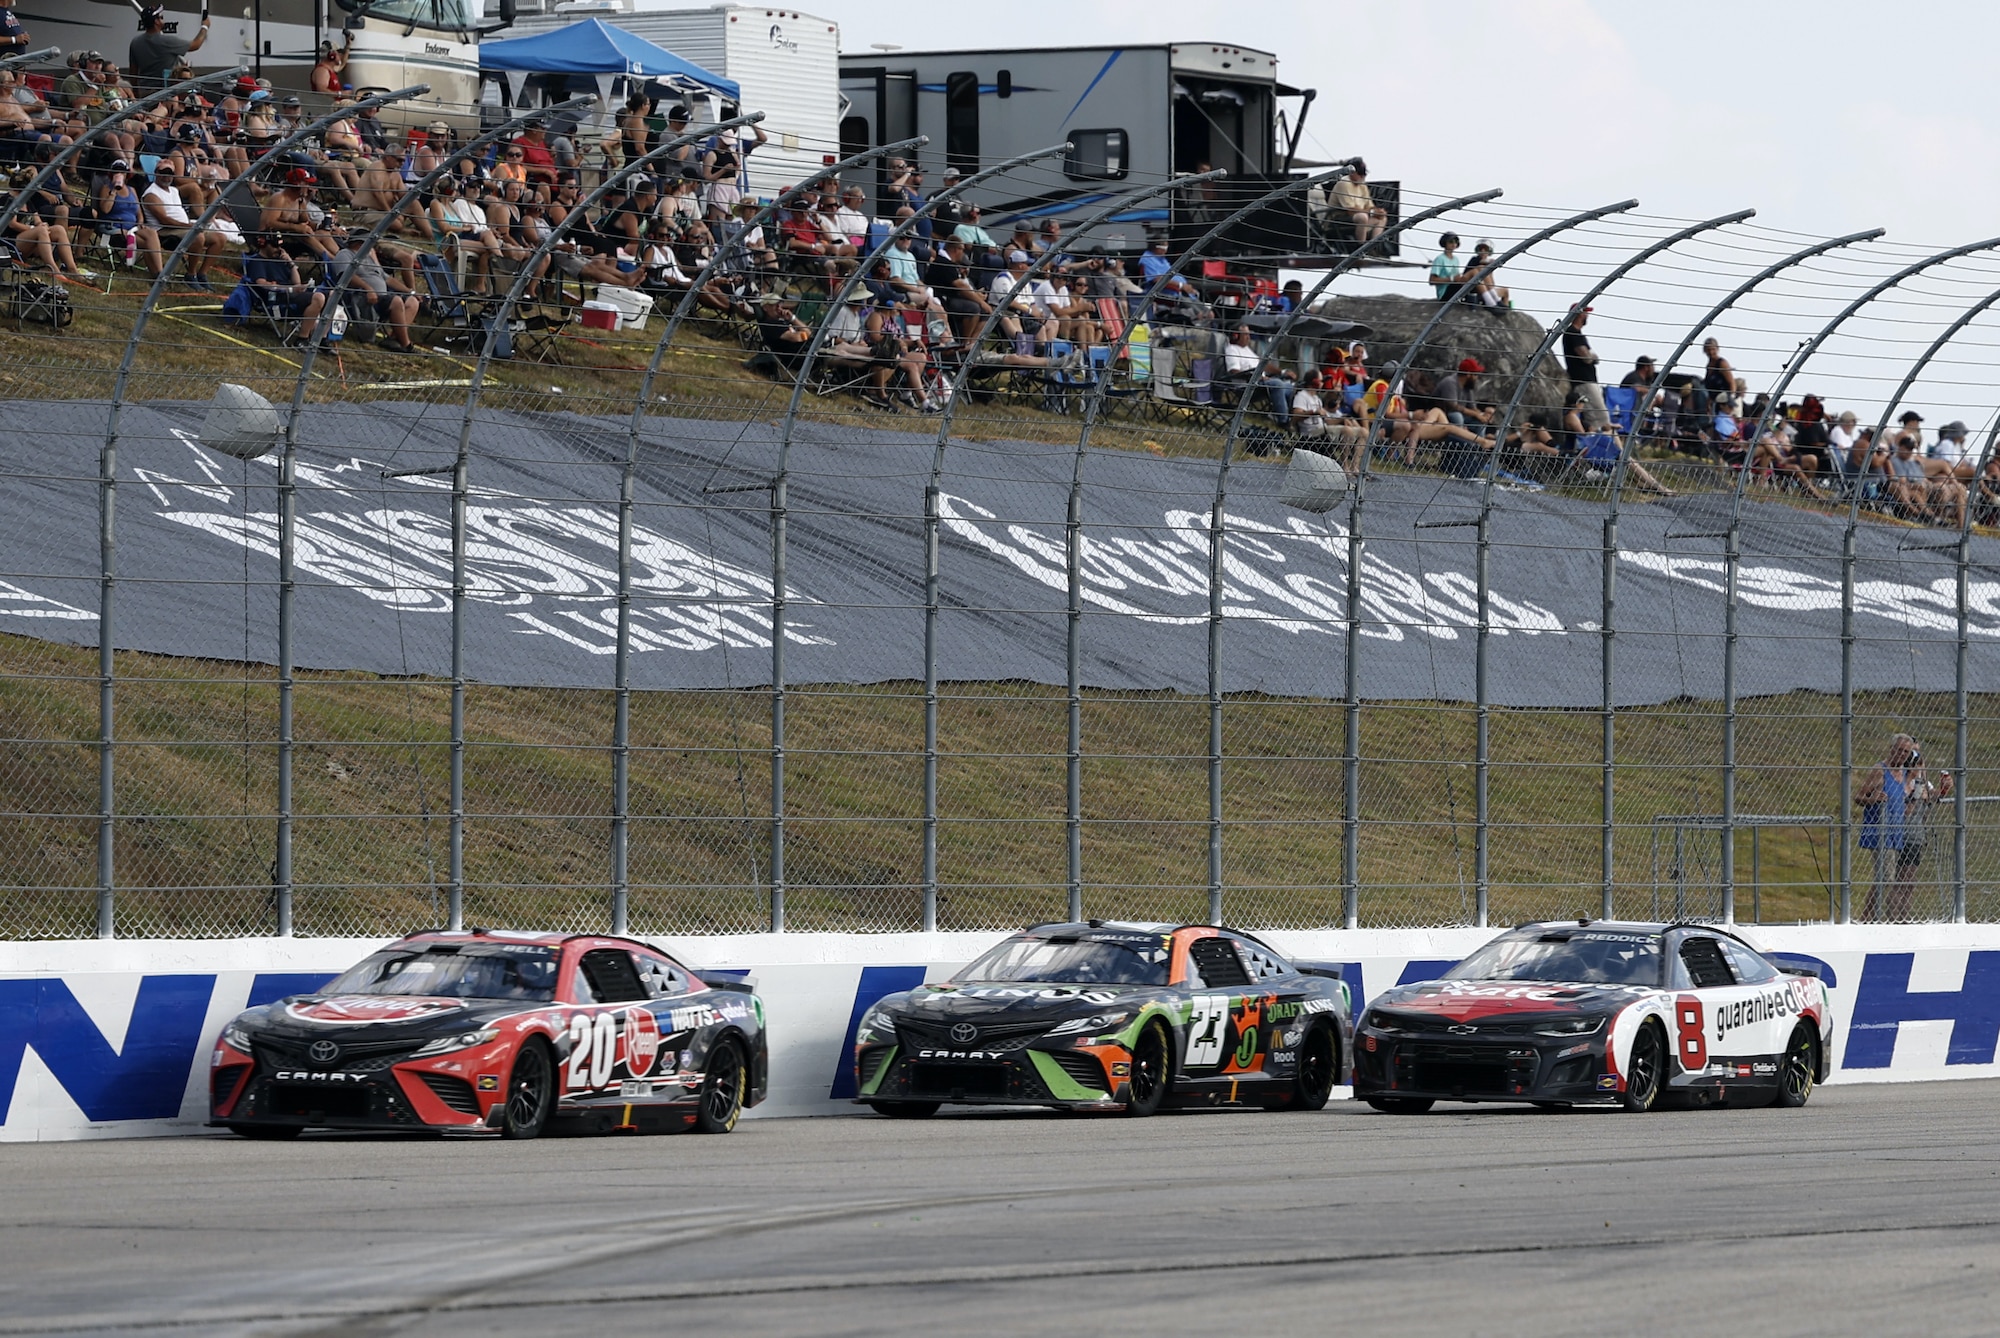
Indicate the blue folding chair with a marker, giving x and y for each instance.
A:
(1621, 403)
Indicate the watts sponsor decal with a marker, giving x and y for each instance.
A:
(1764, 1007)
(691, 1017)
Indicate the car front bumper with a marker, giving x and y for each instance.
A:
(1442, 1067)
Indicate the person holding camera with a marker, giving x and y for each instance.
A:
(153, 54)
(1896, 799)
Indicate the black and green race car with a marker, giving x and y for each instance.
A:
(1112, 1016)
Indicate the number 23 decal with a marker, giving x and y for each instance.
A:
(593, 1049)
(1207, 1022)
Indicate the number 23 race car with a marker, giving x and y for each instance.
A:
(1104, 1016)
(489, 1030)
(1599, 1012)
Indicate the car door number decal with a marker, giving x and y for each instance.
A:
(593, 1049)
(1207, 1022)
(1693, 1043)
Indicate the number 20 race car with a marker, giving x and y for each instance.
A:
(1104, 1016)
(1599, 1012)
(490, 1030)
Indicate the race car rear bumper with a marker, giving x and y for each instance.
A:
(1446, 1069)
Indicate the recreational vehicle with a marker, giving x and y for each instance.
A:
(786, 63)
(1130, 114)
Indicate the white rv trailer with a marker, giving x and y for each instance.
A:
(396, 43)
(786, 63)
(1131, 114)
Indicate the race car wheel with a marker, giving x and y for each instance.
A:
(1799, 1069)
(1400, 1105)
(905, 1110)
(1152, 1071)
(1646, 1070)
(721, 1091)
(531, 1092)
(1314, 1083)
(276, 1132)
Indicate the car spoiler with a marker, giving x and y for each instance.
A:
(1797, 964)
(741, 982)
(1331, 970)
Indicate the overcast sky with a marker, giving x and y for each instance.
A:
(1828, 117)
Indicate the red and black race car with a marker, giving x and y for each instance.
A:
(1109, 1016)
(492, 1030)
(1600, 1012)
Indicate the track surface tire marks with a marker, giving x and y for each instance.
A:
(1875, 1209)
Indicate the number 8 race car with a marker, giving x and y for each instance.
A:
(1600, 1012)
(1103, 1016)
(490, 1030)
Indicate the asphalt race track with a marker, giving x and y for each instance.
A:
(1874, 1210)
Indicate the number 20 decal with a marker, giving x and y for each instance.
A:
(1692, 1044)
(1206, 1024)
(593, 1049)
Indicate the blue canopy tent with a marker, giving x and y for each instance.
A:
(594, 47)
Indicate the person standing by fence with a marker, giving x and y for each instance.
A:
(1896, 801)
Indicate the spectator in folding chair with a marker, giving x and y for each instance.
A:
(1241, 362)
(1029, 324)
(381, 190)
(120, 214)
(1319, 424)
(538, 158)
(274, 278)
(288, 213)
(510, 165)
(799, 235)
(784, 335)
(850, 216)
(1354, 204)
(167, 215)
(949, 278)
(380, 282)
(368, 125)
(972, 234)
(341, 160)
(461, 224)
(1952, 454)
(41, 242)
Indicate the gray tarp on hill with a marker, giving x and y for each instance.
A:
(374, 566)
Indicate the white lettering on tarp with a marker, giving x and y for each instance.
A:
(1934, 606)
(18, 603)
(1163, 578)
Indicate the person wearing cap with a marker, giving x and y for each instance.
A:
(1644, 372)
(381, 186)
(1478, 286)
(972, 234)
(118, 208)
(288, 214)
(1028, 318)
(153, 53)
(538, 162)
(1354, 204)
(291, 114)
(1580, 363)
(329, 66)
(1452, 394)
(380, 280)
(723, 165)
(278, 283)
(1952, 454)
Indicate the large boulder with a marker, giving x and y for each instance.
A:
(1502, 341)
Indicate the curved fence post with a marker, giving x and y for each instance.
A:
(1961, 742)
(107, 490)
(1215, 520)
(1732, 561)
(29, 57)
(288, 489)
(1036, 267)
(83, 141)
(1847, 560)
(621, 740)
(1482, 835)
(461, 482)
(1608, 634)
(1350, 858)
(780, 482)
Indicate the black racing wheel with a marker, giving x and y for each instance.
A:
(1646, 1068)
(1318, 1061)
(1798, 1071)
(531, 1091)
(1152, 1071)
(721, 1091)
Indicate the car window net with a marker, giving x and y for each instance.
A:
(1577, 959)
(511, 973)
(1054, 962)
(1216, 960)
(1703, 959)
(612, 977)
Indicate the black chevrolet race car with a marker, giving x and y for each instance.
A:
(1109, 1016)
(488, 1030)
(1600, 1012)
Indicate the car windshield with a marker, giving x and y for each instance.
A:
(497, 972)
(1582, 958)
(1050, 961)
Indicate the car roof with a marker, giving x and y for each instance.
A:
(547, 938)
(1634, 927)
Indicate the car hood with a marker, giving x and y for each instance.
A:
(1022, 1003)
(1465, 1001)
(375, 1016)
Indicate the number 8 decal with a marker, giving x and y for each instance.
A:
(1692, 1045)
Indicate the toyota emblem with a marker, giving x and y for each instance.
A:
(324, 1052)
(964, 1034)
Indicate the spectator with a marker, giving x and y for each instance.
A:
(1987, 493)
(851, 217)
(1445, 268)
(368, 124)
(1354, 204)
(167, 215)
(40, 241)
(1241, 362)
(785, 336)
(1778, 451)
(1452, 395)
(1478, 284)
(1580, 362)
(1921, 496)
(1641, 377)
(1843, 443)
(386, 291)
(288, 215)
(1028, 317)
(279, 282)
(153, 54)
(1314, 421)
(722, 169)
(537, 159)
(1952, 454)
(1895, 799)
(1718, 378)
(328, 78)
(949, 278)
(972, 234)
(382, 187)
(14, 38)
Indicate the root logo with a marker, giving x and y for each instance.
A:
(642, 1041)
